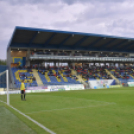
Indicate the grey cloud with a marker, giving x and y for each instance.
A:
(69, 2)
(113, 17)
(3, 46)
(123, 27)
(89, 1)
(20, 2)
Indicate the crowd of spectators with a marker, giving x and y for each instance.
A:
(87, 72)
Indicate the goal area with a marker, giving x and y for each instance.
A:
(4, 87)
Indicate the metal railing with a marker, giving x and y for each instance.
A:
(81, 58)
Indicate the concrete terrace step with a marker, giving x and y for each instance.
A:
(80, 79)
(36, 75)
(64, 78)
(58, 79)
(109, 73)
(47, 77)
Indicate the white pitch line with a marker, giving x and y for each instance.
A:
(34, 121)
(68, 108)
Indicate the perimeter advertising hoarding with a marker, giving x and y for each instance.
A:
(47, 89)
(37, 91)
(75, 87)
(10, 92)
(98, 84)
(57, 88)
(130, 84)
(66, 87)
(37, 88)
(115, 86)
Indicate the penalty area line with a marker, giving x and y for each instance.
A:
(71, 108)
(34, 121)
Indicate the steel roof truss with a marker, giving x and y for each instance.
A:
(128, 45)
(66, 39)
(95, 42)
(35, 35)
(104, 45)
(77, 44)
(47, 42)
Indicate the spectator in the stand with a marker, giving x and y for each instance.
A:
(34, 79)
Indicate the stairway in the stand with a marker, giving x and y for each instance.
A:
(38, 80)
(109, 73)
(80, 79)
(131, 74)
(64, 78)
(47, 77)
(99, 75)
(58, 79)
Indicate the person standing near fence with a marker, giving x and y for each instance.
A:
(22, 88)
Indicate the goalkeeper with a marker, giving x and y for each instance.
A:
(22, 88)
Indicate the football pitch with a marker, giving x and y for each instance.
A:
(102, 111)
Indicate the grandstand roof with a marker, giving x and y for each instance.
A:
(25, 37)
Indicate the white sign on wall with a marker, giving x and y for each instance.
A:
(95, 84)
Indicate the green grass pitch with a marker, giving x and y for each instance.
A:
(102, 111)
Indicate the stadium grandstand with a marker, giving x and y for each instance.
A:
(50, 60)
(2, 76)
(43, 57)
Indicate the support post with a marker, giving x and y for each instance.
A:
(8, 103)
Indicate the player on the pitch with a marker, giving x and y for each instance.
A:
(22, 88)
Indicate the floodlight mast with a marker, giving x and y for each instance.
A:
(7, 80)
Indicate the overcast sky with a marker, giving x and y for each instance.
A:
(112, 17)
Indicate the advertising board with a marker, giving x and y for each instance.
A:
(98, 84)
(75, 87)
(36, 91)
(115, 86)
(56, 89)
(66, 87)
(130, 84)
(47, 89)
(37, 88)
